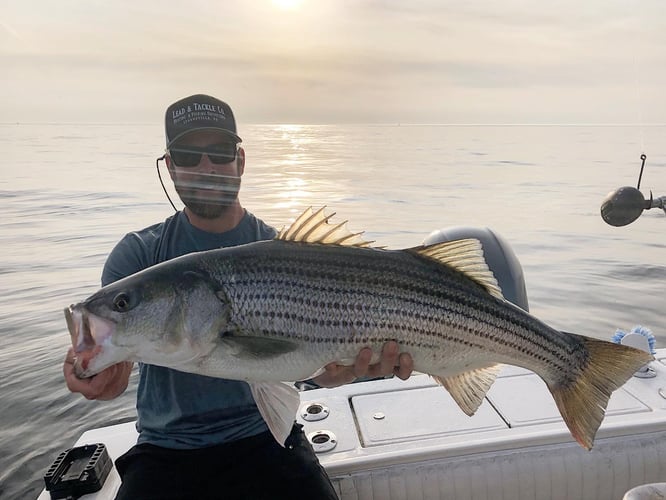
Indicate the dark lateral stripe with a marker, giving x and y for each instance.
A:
(294, 286)
(313, 313)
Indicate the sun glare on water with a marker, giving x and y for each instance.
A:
(287, 4)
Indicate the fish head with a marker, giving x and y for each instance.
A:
(164, 315)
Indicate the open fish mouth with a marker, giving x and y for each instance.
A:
(88, 333)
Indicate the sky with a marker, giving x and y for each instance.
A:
(336, 61)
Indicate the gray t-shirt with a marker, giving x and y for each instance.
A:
(177, 409)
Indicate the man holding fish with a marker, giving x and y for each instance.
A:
(312, 301)
(202, 436)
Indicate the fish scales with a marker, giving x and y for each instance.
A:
(280, 310)
(365, 296)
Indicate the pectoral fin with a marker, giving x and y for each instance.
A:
(278, 403)
(469, 388)
(245, 347)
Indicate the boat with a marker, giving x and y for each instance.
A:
(390, 439)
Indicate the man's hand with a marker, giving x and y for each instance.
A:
(392, 362)
(107, 384)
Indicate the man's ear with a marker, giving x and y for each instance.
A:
(170, 168)
(240, 161)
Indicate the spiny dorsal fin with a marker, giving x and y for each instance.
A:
(469, 388)
(313, 227)
(465, 256)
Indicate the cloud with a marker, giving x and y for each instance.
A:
(367, 60)
(8, 35)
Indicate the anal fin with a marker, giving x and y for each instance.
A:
(469, 388)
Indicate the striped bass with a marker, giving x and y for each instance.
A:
(276, 311)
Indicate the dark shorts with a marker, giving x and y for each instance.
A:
(252, 468)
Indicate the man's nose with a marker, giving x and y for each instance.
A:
(205, 163)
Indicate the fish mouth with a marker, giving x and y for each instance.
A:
(89, 334)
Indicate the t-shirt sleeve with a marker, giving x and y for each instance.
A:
(130, 255)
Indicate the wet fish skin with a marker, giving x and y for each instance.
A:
(280, 310)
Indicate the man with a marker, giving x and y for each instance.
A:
(203, 437)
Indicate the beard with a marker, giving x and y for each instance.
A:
(210, 196)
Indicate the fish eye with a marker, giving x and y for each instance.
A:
(121, 302)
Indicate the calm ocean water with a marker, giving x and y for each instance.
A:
(69, 192)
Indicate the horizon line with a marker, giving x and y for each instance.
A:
(390, 124)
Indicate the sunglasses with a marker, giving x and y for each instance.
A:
(190, 156)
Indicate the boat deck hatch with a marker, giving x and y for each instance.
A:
(525, 400)
(415, 414)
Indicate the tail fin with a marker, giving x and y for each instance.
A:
(583, 400)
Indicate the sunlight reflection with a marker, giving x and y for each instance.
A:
(296, 161)
(287, 4)
(289, 128)
(295, 194)
(296, 135)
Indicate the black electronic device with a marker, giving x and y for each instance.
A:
(78, 471)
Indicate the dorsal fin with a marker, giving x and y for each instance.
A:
(465, 256)
(313, 227)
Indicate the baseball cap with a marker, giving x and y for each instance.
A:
(198, 112)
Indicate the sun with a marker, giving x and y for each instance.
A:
(287, 4)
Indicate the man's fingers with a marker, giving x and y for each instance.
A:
(70, 357)
(391, 362)
(340, 374)
(362, 362)
(405, 366)
(107, 384)
(387, 362)
(68, 367)
(389, 359)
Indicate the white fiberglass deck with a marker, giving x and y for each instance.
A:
(393, 439)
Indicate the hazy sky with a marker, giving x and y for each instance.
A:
(336, 61)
